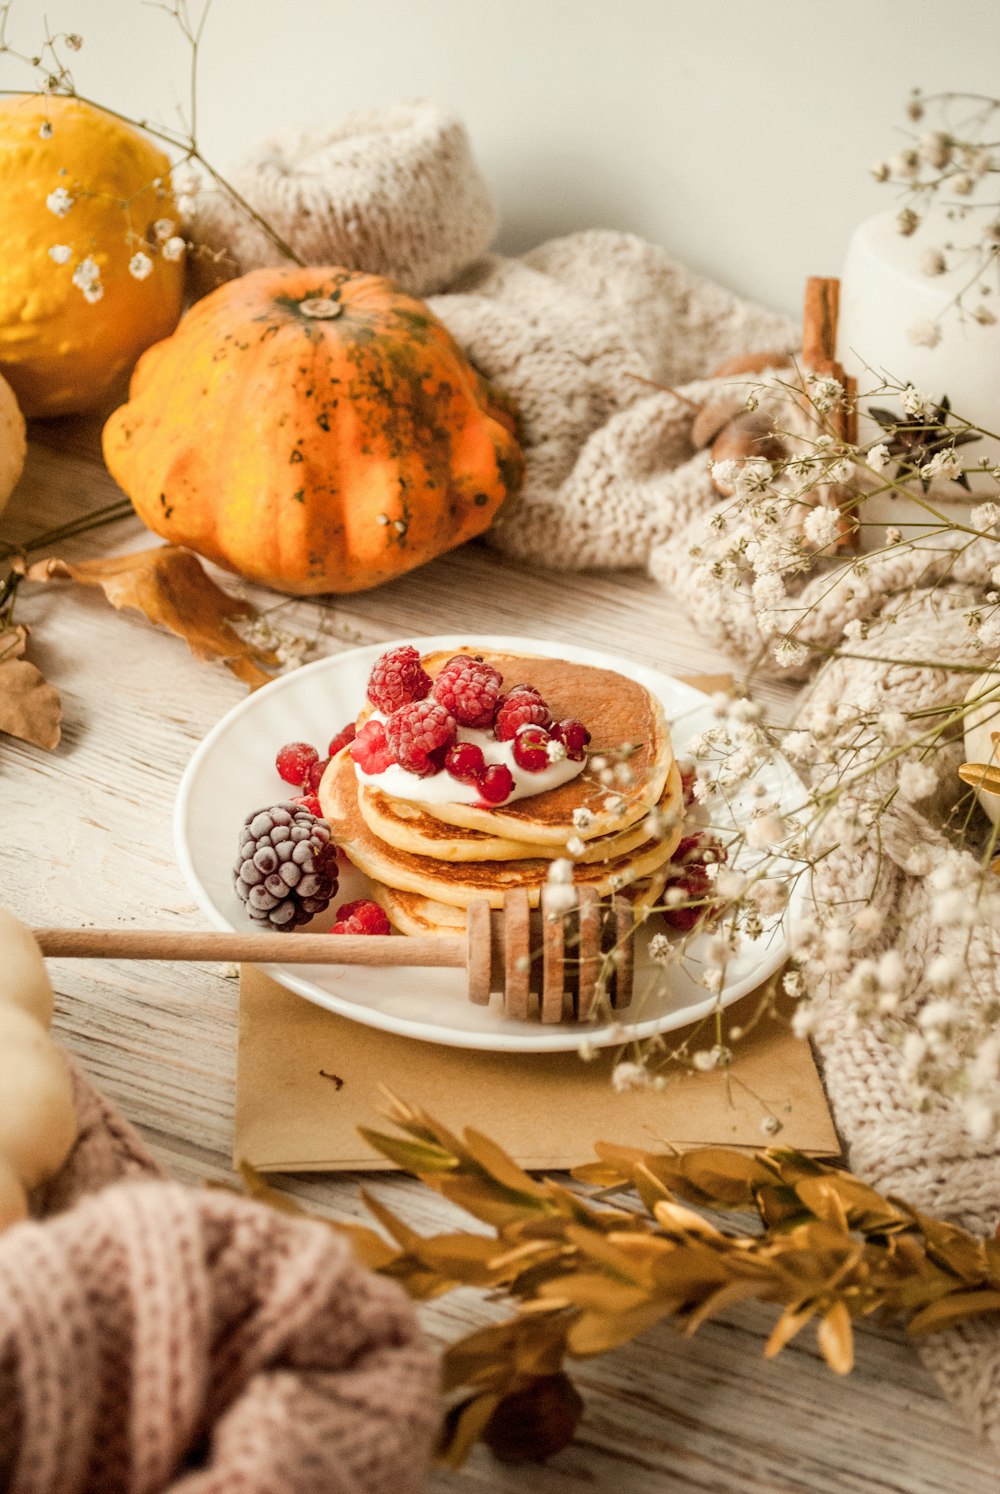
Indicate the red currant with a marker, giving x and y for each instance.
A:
(346, 734)
(496, 783)
(310, 802)
(574, 737)
(314, 774)
(531, 748)
(294, 761)
(465, 762)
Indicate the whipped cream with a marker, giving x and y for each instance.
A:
(441, 788)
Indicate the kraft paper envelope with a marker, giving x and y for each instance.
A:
(306, 1079)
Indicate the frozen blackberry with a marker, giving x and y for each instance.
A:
(286, 871)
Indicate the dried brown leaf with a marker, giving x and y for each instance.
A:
(839, 1194)
(171, 588)
(462, 1428)
(12, 643)
(30, 709)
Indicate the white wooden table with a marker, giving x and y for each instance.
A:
(87, 840)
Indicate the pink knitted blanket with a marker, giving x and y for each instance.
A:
(156, 1337)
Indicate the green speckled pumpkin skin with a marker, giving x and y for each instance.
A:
(314, 430)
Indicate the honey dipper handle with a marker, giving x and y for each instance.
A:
(253, 949)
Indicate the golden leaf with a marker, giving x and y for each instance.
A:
(953, 1308)
(981, 776)
(836, 1339)
(462, 1428)
(370, 1248)
(863, 1208)
(597, 1332)
(170, 587)
(675, 1218)
(788, 1325)
(417, 1157)
(30, 709)
(593, 1290)
(494, 1160)
(723, 1297)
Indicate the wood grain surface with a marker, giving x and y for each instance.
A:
(87, 842)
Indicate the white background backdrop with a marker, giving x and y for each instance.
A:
(738, 136)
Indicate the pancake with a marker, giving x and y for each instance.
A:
(408, 827)
(412, 914)
(615, 709)
(458, 883)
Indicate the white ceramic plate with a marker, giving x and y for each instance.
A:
(232, 772)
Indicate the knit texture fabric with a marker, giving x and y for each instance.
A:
(393, 191)
(155, 1337)
(607, 346)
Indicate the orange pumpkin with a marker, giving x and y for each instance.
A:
(315, 430)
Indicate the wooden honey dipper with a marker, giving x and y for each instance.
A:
(561, 958)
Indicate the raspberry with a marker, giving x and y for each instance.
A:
(286, 869)
(465, 762)
(495, 783)
(522, 707)
(468, 688)
(361, 917)
(310, 802)
(397, 679)
(530, 748)
(314, 774)
(294, 761)
(370, 750)
(419, 736)
(346, 734)
(574, 736)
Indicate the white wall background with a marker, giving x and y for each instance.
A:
(737, 135)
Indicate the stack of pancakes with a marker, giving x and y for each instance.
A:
(427, 862)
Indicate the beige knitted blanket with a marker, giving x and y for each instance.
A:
(579, 331)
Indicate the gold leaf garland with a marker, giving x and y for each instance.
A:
(587, 1275)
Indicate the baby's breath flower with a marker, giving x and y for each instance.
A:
(878, 457)
(164, 229)
(943, 464)
(661, 951)
(555, 750)
(907, 222)
(770, 1125)
(880, 171)
(560, 873)
(140, 265)
(626, 1076)
(74, 41)
(45, 130)
(924, 334)
(914, 402)
(986, 516)
(582, 818)
(725, 474)
(821, 526)
(932, 262)
(59, 202)
(893, 535)
(789, 654)
(826, 392)
(766, 830)
(60, 254)
(575, 846)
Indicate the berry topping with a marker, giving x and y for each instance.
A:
(689, 877)
(523, 706)
(574, 736)
(370, 750)
(294, 761)
(397, 679)
(496, 783)
(361, 917)
(531, 746)
(314, 775)
(286, 869)
(469, 689)
(419, 736)
(465, 762)
(346, 734)
(310, 802)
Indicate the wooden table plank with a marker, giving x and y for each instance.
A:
(87, 839)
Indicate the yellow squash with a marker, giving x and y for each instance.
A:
(81, 194)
